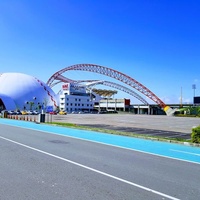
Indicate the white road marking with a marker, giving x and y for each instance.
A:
(89, 140)
(186, 152)
(92, 169)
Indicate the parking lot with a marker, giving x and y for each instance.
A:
(152, 125)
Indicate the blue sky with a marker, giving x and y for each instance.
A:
(156, 42)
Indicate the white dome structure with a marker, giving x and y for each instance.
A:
(24, 92)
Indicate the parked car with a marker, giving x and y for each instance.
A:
(102, 112)
(35, 112)
(86, 111)
(62, 112)
(24, 112)
(53, 113)
(94, 112)
(11, 112)
(18, 112)
(30, 112)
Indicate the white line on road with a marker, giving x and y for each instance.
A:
(89, 140)
(92, 169)
(186, 152)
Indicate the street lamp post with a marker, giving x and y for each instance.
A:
(194, 88)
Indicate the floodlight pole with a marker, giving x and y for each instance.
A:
(194, 87)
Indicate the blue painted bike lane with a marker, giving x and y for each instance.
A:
(171, 150)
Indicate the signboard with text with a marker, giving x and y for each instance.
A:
(49, 109)
(74, 88)
(65, 86)
(196, 100)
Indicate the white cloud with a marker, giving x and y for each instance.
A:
(170, 99)
(196, 81)
(173, 99)
(185, 100)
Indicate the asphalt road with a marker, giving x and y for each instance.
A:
(151, 125)
(38, 165)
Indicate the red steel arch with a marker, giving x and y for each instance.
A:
(111, 73)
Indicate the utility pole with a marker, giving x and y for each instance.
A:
(194, 88)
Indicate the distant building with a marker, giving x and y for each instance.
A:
(76, 97)
(114, 104)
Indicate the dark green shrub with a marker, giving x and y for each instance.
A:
(195, 136)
